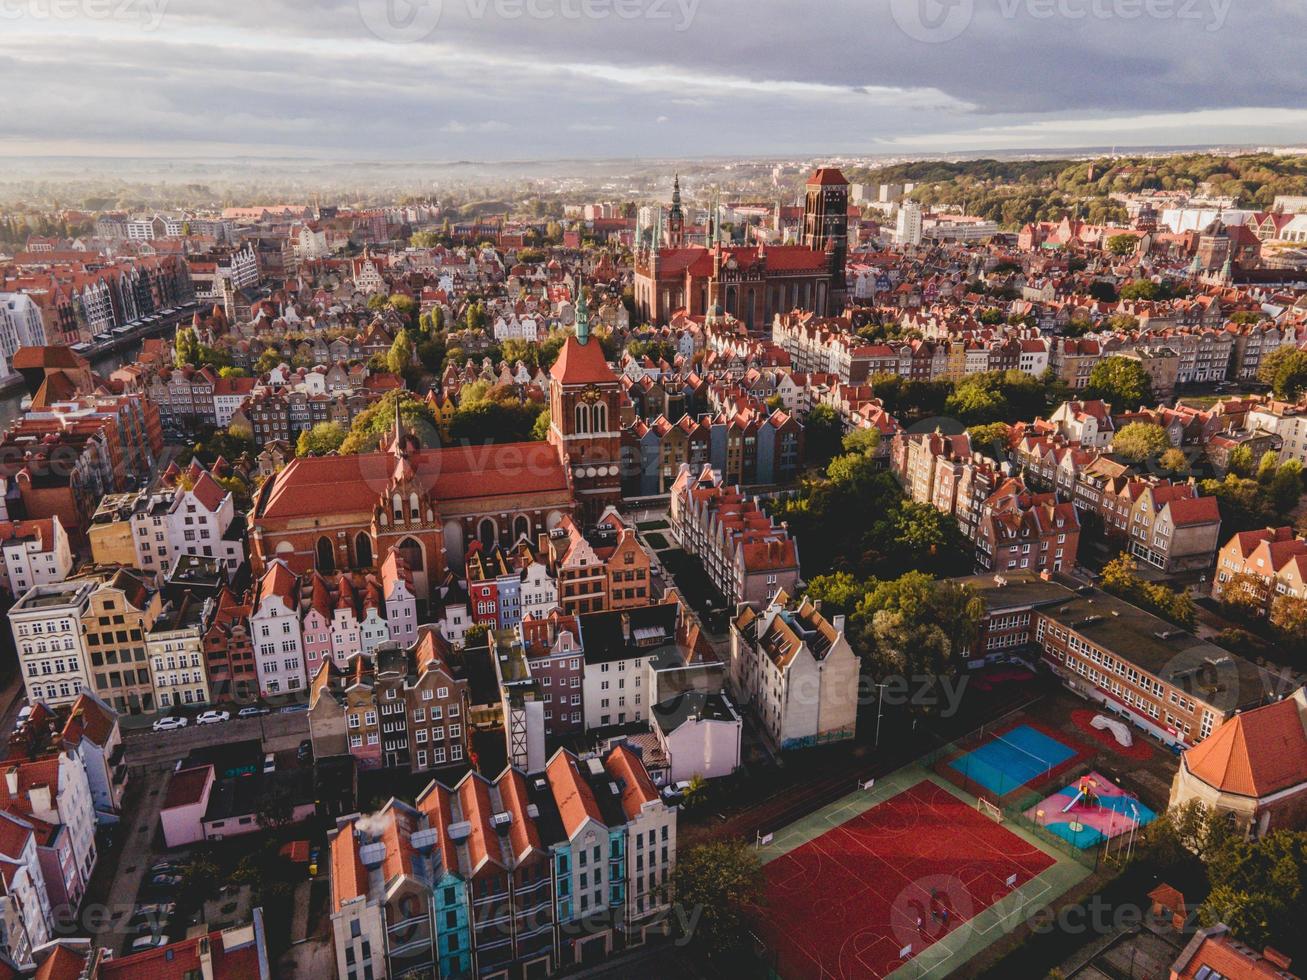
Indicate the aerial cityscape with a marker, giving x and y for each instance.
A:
(510, 489)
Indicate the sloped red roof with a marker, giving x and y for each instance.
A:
(580, 363)
(828, 177)
(1256, 753)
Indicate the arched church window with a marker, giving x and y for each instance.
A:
(325, 556)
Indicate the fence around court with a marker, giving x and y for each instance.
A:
(1014, 804)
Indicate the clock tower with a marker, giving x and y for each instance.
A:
(585, 418)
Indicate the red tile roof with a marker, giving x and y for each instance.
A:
(580, 363)
(828, 177)
(576, 801)
(1256, 753)
(353, 484)
(631, 775)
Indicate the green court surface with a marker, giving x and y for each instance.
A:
(968, 938)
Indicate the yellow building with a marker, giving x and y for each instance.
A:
(110, 532)
(118, 616)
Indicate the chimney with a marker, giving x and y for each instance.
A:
(11, 780)
(838, 623)
(626, 626)
(1277, 958)
(206, 958)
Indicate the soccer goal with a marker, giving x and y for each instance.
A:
(990, 810)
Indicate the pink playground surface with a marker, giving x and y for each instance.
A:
(1110, 813)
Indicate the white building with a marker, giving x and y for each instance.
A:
(539, 591)
(175, 649)
(55, 790)
(617, 647)
(908, 229)
(650, 841)
(798, 671)
(150, 530)
(1287, 421)
(25, 904)
(92, 734)
(401, 603)
(47, 627)
(21, 325)
(33, 553)
(275, 628)
(198, 524)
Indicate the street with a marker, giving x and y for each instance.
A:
(278, 731)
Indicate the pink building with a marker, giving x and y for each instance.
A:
(317, 626)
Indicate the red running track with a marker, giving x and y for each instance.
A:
(843, 905)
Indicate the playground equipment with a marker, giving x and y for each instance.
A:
(1085, 794)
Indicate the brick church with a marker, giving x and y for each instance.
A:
(336, 513)
(750, 283)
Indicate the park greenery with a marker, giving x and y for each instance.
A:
(724, 884)
(1256, 886)
(1120, 577)
(1015, 192)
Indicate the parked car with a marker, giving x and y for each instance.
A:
(270, 763)
(152, 941)
(165, 882)
(155, 910)
(213, 717)
(24, 713)
(171, 724)
(164, 868)
(253, 711)
(305, 751)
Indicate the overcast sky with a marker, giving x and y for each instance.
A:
(522, 79)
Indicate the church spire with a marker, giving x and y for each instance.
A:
(582, 316)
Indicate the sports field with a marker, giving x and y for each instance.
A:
(906, 876)
(1013, 759)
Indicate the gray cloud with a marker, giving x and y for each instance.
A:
(672, 78)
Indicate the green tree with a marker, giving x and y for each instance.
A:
(989, 437)
(378, 420)
(978, 399)
(1174, 461)
(1285, 370)
(865, 441)
(267, 361)
(424, 239)
(724, 881)
(1122, 244)
(185, 347)
(1139, 441)
(400, 358)
(1240, 461)
(838, 592)
(1144, 289)
(822, 432)
(540, 427)
(323, 438)
(1122, 382)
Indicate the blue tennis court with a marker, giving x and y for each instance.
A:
(1012, 759)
